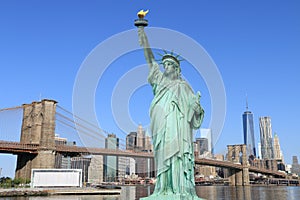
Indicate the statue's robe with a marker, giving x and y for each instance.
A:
(172, 122)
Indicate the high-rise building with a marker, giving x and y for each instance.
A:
(131, 141)
(295, 166)
(196, 149)
(126, 167)
(60, 141)
(148, 143)
(95, 171)
(110, 170)
(266, 140)
(277, 149)
(295, 160)
(202, 144)
(140, 137)
(81, 163)
(259, 150)
(62, 161)
(206, 133)
(129, 166)
(140, 142)
(248, 130)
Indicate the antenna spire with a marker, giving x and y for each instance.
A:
(247, 102)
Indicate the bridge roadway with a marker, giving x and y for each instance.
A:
(18, 148)
(227, 164)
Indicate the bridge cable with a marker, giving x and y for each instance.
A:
(98, 128)
(76, 123)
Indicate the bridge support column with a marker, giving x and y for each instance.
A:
(231, 176)
(239, 178)
(38, 127)
(245, 170)
(24, 163)
(246, 176)
(231, 172)
(238, 154)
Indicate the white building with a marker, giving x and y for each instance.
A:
(126, 167)
(259, 150)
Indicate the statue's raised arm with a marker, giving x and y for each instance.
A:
(143, 40)
(144, 43)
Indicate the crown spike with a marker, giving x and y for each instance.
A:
(160, 54)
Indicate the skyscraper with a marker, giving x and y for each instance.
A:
(259, 150)
(202, 144)
(95, 171)
(277, 149)
(206, 133)
(248, 129)
(265, 127)
(295, 160)
(82, 163)
(131, 141)
(140, 142)
(295, 166)
(111, 162)
(140, 137)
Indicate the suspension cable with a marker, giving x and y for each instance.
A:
(71, 120)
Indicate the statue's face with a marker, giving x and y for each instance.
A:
(171, 70)
(169, 67)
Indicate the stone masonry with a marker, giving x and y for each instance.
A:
(238, 154)
(38, 127)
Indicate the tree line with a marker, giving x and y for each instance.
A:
(7, 182)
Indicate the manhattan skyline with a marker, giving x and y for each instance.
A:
(255, 46)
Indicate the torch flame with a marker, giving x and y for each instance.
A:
(142, 13)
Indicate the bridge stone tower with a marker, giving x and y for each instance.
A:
(238, 154)
(38, 127)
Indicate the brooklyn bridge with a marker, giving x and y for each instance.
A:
(37, 148)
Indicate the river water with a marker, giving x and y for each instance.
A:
(206, 192)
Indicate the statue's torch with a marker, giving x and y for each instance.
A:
(141, 22)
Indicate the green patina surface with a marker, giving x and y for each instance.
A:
(175, 111)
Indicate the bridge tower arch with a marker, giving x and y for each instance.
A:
(38, 127)
(238, 154)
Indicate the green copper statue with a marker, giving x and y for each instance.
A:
(175, 111)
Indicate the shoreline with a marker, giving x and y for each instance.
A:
(14, 192)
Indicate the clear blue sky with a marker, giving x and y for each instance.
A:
(255, 45)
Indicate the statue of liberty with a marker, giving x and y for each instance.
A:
(175, 111)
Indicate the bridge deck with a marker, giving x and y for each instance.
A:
(18, 148)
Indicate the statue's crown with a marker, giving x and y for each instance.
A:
(171, 57)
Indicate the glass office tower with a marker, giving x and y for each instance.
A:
(248, 129)
(110, 170)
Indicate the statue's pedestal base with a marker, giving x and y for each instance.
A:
(171, 197)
